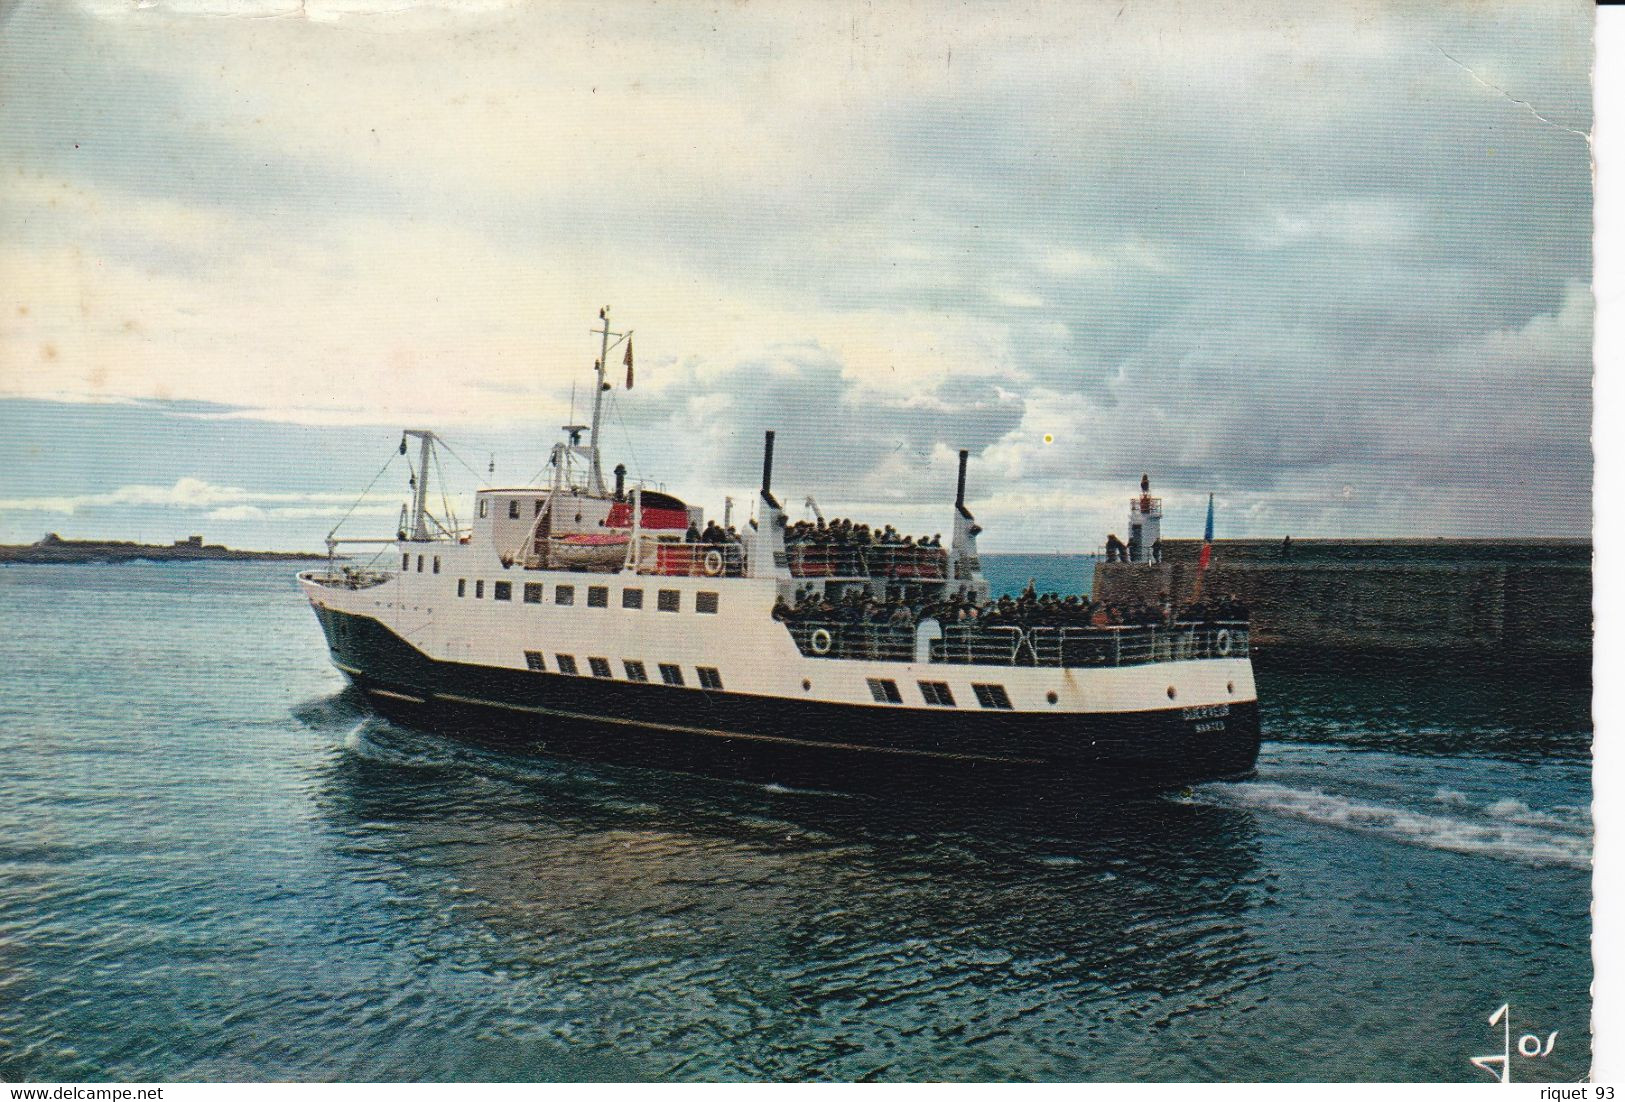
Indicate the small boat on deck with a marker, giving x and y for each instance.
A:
(589, 550)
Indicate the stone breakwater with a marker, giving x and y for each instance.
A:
(1319, 601)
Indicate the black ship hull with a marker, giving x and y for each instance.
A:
(790, 741)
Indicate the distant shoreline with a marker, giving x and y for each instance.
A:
(55, 550)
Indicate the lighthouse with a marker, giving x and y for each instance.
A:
(1144, 524)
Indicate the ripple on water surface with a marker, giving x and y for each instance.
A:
(216, 864)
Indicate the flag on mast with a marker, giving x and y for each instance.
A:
(1207, 551)
(627, 360)
(1207, 537)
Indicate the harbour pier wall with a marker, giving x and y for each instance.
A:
(1315, 602)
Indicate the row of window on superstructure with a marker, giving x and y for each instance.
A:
(406, 564)
(670, 672)
(938, 694)
(513, 507)
(666, 600)
(884, 690)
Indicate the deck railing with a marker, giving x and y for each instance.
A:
(876, 642)
(1012, 645)
(886, 560)
(348, 577)
(694, 560)
(929, 564)
(825, 560)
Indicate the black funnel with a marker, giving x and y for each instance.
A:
(767, 470)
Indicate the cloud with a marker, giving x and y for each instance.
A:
(1280, 251)
(836, 433)
(238, 512)
(224, 502)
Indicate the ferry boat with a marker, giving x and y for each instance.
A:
(584, 619)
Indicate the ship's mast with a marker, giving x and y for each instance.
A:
(420, 504)
(597, 473)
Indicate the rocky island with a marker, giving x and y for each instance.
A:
(54, 549)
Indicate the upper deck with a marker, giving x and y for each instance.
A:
(806, 560)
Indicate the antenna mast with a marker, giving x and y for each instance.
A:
(420, 503)
(597, 473)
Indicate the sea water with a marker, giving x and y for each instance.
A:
(216, 864)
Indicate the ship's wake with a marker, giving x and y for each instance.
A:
(1505, 829)
(375, 740)
(335, 711)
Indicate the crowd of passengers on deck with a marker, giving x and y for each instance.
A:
(1031, 609)
(714, 533)
(839, 533)
(843, 533)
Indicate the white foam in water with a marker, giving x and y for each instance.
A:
(1452, 797)
(1516, 811)
(1520, 834)
(352, 740)
(360, 743)
(786, 790)
(1561, 816)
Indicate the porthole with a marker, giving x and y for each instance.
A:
(1230, 687)
(806, 685)
(1051, 697)
(1171, 692)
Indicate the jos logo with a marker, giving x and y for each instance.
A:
(1530, 1047)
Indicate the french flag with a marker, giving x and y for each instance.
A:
(1207, 537)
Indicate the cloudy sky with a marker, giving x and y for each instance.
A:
(1332, 266)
